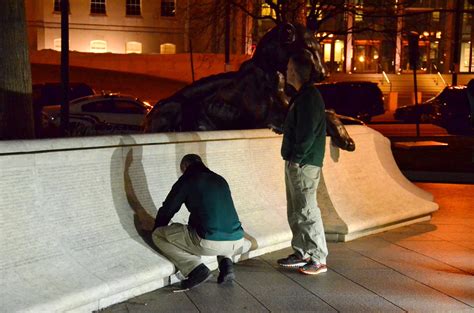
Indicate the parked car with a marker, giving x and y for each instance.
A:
(449, 109)
(358, 99)
(46, 94)
(120, 113)
(87, 125)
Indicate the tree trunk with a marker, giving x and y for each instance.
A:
(16, 110)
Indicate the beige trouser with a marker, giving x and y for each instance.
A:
(183, 246)
(304, 215)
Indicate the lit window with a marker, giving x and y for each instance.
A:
(435, 16)
(167, 48)
(359, 15)
(339, 51)
(98, 46)
(133, 47)
(98, 7)
(267, 10)
(327, 52)
(133, 7)
(57, 5)
(359, 12)
(168, 8)
(57, 44)
(465, 53)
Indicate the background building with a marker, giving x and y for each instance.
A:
(136, 26)
(379, 43)
(124, 26)
(175, 26)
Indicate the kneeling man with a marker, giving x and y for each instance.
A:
(213, 228)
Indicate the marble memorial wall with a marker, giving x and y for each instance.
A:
(71, 211)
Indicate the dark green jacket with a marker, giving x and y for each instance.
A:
(207, 197)
(304, 132)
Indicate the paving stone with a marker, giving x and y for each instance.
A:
(212, 297)
(275, 290)
(453, 220)
(160, 301)
(466, 244)
(455, 237)
(118, 308)
(417, 268)
(399, 289)
(454, 233)
(416, 232)
(446, 252)
(335, 289)
(433, 273)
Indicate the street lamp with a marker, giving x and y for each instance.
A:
(414, 57)
(457, 42)
(64, 66)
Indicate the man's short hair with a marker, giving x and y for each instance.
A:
(190, 159)
(303, 65)
(470, 87)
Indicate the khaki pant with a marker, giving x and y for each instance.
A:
(183, 246)
(304, 215)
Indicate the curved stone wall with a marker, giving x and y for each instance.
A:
(71, 210)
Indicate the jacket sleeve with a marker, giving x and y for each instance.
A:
(172, 204)
(308, 118)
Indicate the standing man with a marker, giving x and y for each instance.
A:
(213, 228)
(304, 141)
(470, 97)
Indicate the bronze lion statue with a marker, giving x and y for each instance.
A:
(255, 96)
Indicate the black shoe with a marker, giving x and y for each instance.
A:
(197, 276)
(293, 260)
(226, 271)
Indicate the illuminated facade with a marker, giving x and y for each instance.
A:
(171, 26)
(125, 26)
(129, 26)
(384, 47)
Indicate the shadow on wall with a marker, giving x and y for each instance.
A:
(334, 152)
(250, 244)
(197, 146)
(126, 167)
(131, 195)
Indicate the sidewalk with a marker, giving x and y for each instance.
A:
(425, 267)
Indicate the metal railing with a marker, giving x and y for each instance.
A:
(387, 80)
(438, 75)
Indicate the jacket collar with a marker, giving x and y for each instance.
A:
(303, 88)
(195, 168)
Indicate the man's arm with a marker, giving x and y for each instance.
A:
(171, 205)
(307, 119)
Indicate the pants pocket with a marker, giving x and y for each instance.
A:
(172, 233)
(311, 171)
